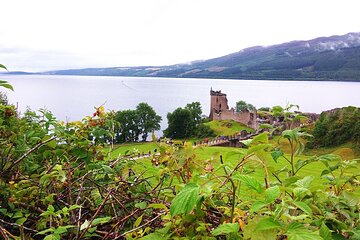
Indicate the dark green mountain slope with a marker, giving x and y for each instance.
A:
(327, 58)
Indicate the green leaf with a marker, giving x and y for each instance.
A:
(251, 183)
(271, 194)
(276, 154)
(267, 224)
(297, 231)
(2, 66)
(21, 221)
(305, 182)
(325, 232)
(256, 206)
(52, 237)
(153, 236)
(157, 206)
(304, 207)
(100, 221)
(96, 196)
(226, 228)
(46, 231)
(351, 198)
(261, 138)
(185, 200)
(62, 229)
(301, 192)
(84, 225)
(141, 205)
(7, 85)
(138, 221)
(51, 144)
(303, 236)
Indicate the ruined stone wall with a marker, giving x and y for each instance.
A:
(247, 118)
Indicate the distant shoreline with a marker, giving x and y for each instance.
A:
(169, 77)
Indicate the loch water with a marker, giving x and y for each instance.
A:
(71, 98)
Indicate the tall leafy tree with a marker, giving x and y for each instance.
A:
(129, 126)
(148, 120)
(181, 124)
(196, 111)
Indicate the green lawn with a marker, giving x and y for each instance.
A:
(231, 157)
(227, 127)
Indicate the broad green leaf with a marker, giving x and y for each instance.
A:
(267, 224)
(141, 205)
(301, 192)
(62, 229)
(153, 236)
(250, 233)
(276, 154)
(52, 237)
(257, 148)
(251, 182)
(256, 206)
(185, 200)
(226, 228)
(301, 163)
(100, 221)
(293, 235)
(271, 194)
(51, 144)
(297, 231)
(351, 198)
(261, 138)
(21, 221)
(304, 207)
(325, 232)
(305, 182)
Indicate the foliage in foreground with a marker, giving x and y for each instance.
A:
(57, 182)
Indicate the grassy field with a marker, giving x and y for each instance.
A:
(227, 127)
(231, 156)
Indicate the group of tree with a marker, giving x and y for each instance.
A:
(242, 106)
(337, 127)
(187, 122)
(136, 124)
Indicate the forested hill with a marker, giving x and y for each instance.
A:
(335, 58)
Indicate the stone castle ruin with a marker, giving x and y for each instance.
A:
(219, 110)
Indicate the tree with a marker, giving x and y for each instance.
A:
(195, 109)
(129, 126)
(148, 120)
(181, 124)
(242, 105)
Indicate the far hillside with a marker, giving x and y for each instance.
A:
(334, 58)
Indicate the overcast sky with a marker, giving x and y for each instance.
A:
(42, 35)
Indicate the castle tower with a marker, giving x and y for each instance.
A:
(218, 103)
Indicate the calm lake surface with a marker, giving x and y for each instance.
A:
(74, 97)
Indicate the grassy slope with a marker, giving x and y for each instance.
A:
(230, 158)
(227, 127)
